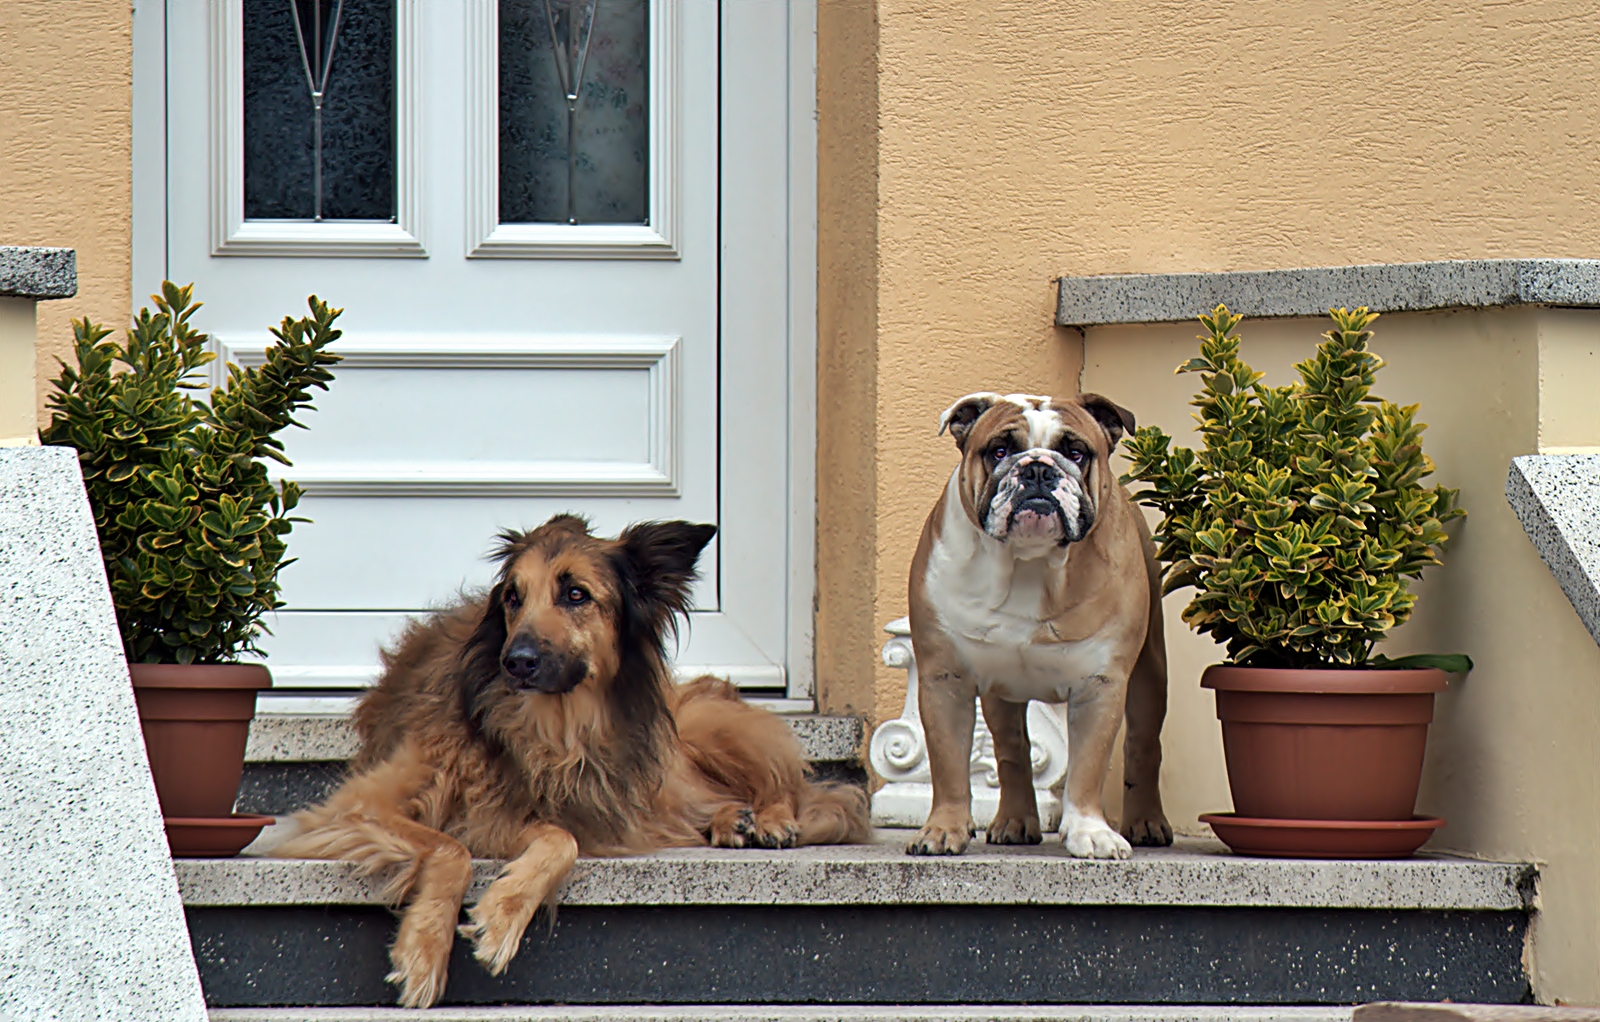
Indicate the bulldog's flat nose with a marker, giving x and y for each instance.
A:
(521, 661)
(1035, 473)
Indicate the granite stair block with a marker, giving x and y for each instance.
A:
(91, 925)
(870, 925)
(296, 760)
(803, 1013)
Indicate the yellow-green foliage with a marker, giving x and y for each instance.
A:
(1301, 520)
(191, 529)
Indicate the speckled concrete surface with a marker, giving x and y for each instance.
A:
(285, 738)
(1557, 499)
(91, 926)
(1193, 872)
(797, 1013)
(1393, 287)
(27, 271)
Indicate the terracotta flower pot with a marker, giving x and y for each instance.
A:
(196, 718)
(1324, 744)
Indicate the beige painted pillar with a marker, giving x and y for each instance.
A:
(17, 401)
(28, 275)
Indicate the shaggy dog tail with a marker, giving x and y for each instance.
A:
(832, 813)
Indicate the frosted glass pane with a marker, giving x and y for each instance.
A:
(358, 137)
(609, 164)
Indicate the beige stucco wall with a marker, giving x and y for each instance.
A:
(988, 148)
(66, 95)
(995, 146)
(17, 422)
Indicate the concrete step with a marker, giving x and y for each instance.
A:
(798, 1013)
(294, 760)
(868, 924)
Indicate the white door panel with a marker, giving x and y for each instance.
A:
(391, 553)
(495, 375)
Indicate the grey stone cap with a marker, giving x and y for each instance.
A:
(27, 271)
(1192, 873)
(1401, 1011)
(1386, 287)
(286, 738)
(801, 1013)
(1557, 499)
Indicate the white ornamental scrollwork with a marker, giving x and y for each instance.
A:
(899, 754)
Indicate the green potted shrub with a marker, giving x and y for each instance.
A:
(1299, 524)
(192, 532)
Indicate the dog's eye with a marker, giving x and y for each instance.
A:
(1077, 455)
(511, 598)
(999, 452)
(575, 596)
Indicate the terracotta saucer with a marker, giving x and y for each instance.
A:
(212, 837)
(1323, 839)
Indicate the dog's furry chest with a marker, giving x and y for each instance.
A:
(992, 610)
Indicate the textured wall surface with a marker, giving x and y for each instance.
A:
(66, 97)
(91, 925)
(1016, 142)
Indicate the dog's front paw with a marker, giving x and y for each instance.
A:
(1148, 831)
(1013, 830)
(420, 956)
(940, 839)
(1089, 838)
(776, 827)
(733, 826)
(498, 921)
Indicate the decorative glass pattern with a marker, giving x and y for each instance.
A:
(346, 50)
(574, 111)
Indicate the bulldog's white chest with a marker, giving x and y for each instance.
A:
(992, 609)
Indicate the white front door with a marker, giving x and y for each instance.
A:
(597, 306)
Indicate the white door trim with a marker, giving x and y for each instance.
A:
(232, 234)
(657, 476)
(487, 237)
(769, 189)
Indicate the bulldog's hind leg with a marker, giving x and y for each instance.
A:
(1016, 822)
(1143, 820)
(948, 707)
(1094, 711)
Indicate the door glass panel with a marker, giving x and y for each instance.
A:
(574, 111)
(319, 131)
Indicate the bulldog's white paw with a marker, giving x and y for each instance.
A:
(1089, 838)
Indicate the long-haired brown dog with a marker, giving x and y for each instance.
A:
(541, 722)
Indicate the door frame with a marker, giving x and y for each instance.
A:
(761, 189)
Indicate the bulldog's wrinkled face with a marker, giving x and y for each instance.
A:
(1033, 468)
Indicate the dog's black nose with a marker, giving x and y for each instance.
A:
(521, 661)
(1036, 473)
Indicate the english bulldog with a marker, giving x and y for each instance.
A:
(1036, 579)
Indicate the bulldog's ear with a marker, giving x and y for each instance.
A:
(959, 417)
(1116, 420)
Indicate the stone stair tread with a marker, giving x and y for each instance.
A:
(314, 738)
(1194, 872)
(799, 1013)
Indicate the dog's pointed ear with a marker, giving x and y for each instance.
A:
(1116, 420)
(659, 560)
(959, 417)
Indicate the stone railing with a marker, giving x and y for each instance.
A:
(27, 275)
(899, 754)
(1557, 499)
